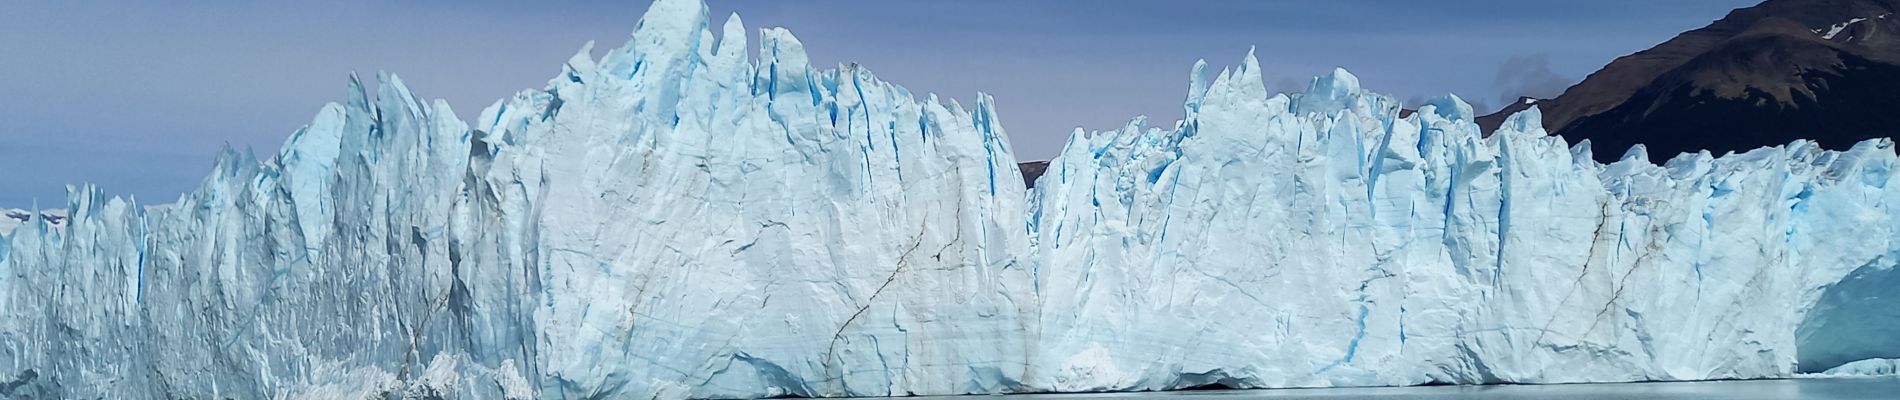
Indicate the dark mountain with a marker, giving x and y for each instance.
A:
(1488, 123)
(1032, 170)
(1824, 70)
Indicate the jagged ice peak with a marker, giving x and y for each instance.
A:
(677, 220)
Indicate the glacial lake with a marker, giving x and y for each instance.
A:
(1806, 389)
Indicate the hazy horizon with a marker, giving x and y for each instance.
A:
(138, 98)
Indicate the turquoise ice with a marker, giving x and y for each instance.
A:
(681, 218)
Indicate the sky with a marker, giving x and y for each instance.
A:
(138, 96)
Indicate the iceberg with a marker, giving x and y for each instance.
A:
(758, 228)
(1868, 368)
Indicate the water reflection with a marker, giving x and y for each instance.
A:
(1805, 389)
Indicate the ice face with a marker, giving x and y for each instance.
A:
(679, 220)
(671, 220)
(1320, 240)
(13, 218)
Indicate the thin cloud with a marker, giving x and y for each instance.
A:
(1529, 76)
(1290, 84)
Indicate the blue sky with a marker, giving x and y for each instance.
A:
(137, 96)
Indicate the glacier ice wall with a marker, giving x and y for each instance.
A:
(1318, 239)
(683, 219)
(671, 220)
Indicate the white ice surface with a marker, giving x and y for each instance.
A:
(678, 220)
(1872, 367)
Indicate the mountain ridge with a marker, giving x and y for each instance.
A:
(1760, 76)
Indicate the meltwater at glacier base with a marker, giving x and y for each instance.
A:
(678, 219)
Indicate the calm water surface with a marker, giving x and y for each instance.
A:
(1828, 389)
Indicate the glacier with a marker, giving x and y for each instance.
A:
(759, 227)
(1872, 367)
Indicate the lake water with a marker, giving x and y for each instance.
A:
(1807, 389)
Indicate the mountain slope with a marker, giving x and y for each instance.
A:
(1763, 75)
(1031, 171)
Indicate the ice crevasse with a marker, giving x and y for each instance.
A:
(682, 218)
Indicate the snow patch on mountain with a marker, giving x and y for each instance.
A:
(1829, 32)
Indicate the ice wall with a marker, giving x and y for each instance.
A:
(1318, 239)
(682, 218)
(671, 220)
